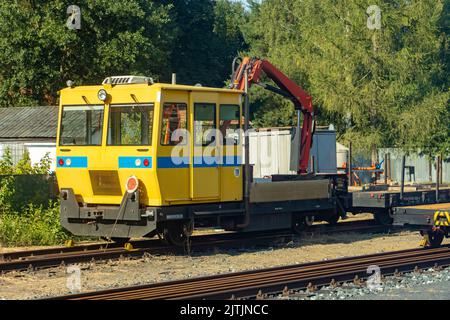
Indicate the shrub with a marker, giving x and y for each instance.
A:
(35, 226)
(27, 217)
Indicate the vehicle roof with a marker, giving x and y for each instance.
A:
(160, 86)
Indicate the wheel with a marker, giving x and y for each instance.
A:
(177, 234)
(120, 240)
(435, 239)
(333, 219)
(384, 217)
(300, 224)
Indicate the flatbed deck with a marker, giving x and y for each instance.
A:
(422, 215)
(392, 198)
(432, 207)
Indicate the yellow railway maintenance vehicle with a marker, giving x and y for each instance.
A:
(139, 159)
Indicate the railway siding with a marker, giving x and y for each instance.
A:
(261, 283)
(156, 268)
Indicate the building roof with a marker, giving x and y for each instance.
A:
(28, 122)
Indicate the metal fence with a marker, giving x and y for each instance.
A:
(270, 152)
(419, 168)
(17, 150)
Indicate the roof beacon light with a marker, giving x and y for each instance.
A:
(132, 184)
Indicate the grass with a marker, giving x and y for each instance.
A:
(36, 226)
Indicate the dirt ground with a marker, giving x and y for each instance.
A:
(152, 269)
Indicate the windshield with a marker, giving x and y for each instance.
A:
(81, 126)
(130, 125)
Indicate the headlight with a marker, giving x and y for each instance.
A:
(102, 95)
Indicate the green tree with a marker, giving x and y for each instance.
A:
(369, 83)
(208, 38)
(39, 53)
(230, 18)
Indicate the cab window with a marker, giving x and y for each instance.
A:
(204, 124)
(81, 126)
(229, 124)
(174, 124)
(130, 125)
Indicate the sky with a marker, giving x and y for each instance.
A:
(244, 2)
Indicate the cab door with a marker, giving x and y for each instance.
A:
(231, 171)
(205, 152)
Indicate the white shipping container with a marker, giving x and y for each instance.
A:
(270, 152)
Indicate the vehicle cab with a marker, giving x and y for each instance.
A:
(129, 147)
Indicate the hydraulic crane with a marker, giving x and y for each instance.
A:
(249, 72)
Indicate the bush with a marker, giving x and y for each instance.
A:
(18, 191)
(27, 217)
(24, 184)
(35, 226)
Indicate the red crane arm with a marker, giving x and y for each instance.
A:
(286, 87)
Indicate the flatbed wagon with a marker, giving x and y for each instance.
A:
(384, 203)
(433, 219)
(390, 199)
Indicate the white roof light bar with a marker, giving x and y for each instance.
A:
(118, 80)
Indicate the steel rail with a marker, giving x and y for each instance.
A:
(54, 257)
(274, 280)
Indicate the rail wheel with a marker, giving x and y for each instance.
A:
(120, 240)
(178, 233)
(333, 219)
(300, 224)
(435, 239)
(384, 217)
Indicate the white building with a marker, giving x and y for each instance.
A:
(32, 128)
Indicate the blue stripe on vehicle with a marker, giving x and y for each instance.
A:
(75, 162)
(232, 161)
(130, 163)
(199, 162)
(173, 162)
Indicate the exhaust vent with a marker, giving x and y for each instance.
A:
(128, 80)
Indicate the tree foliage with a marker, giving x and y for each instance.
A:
(208, 38)
(381, 87)
(39, 53)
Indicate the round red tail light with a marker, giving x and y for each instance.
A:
(61, 162)
(132, 184)
(146, 162)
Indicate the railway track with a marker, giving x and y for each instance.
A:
(281, 280)
(54, 257)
